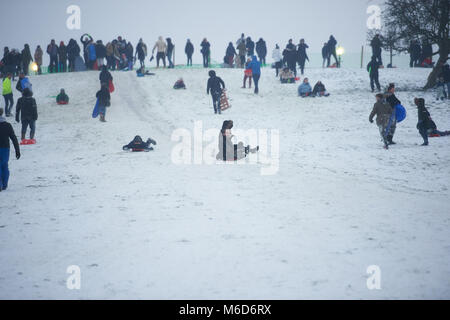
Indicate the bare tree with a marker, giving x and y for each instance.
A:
(425, 19)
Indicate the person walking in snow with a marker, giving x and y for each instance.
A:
(229, 55)
(52, 51)
(38, 54)
(100, 52)
(105, 76)
(216, 87)
(332, 51)
(250, 45)
(302, 55)
(393, 102)
(383, 111)
(278, 59)
(255, 66)
(161, 49)
(6, 134)
(26, 113)
(242, 51)
(104, 101)
(206, 52)
(7, 94)
(261, 50)
(290, 56)
(170, 51)
(248, 74)
(141, 52)
(372, 68)
(324, 54)
(189, 51)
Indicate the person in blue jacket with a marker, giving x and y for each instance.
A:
(255, 65)
(305, 90)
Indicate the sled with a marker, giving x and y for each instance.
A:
(62, 103)
(224, 104)
(26, 142)
(400, 113)
(111, 86)
(137, 150)
(96, 110)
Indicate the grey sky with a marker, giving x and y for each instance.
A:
(220, 21)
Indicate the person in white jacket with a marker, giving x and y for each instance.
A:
(161, 48)
(277, 58)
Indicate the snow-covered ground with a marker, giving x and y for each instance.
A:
(140, 226)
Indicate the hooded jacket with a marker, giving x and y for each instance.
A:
(255, 65)
(26, 107)
(7, 133)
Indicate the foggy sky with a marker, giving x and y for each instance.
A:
(36, 22)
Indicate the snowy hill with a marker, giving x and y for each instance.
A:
(140, 226)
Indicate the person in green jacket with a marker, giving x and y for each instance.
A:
(62, 98)
(8, 94)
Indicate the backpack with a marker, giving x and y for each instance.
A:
(25, 83)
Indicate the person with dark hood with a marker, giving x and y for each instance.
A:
(228, 151)
(302, 55)
(424, 119)
(319, 90)
(189, 51)
(215, 86)
(38, 55)
(206, 52)
(17, 61)
(26, 58)
(290, 56)
(230, 54)
(170, 52)
(376, 45)
(138, 145)
(261, 50)
(141, 52)
(332, 51)
(242, 51)
(393, 102)
(73, 51)
(52, 51)
(104, 101)
(250, 45)
(278, 59)
(62, 97)
(100, 52)
(255, 66)
(414, 53)
(86, 40)
(161, 51)
(62, 57)
(26, 113)
(6, 134)
(372, 68)
(179, 84)
(324, 54)
(105, 76)
(383, 111)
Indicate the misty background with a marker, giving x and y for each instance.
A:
(37, 22)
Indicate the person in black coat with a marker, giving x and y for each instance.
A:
(169, 52)
(290, 57)
(302, 55)
(427, 53)
(6, 134)
(393, 102)
(26, 112)
(424, 119)
(250, 45)
(189, 50)
(376, 45)
(332, 51)
(26, 58)
(230, 54)
(73, 51)
(414, 53)
(261, 50)
(105, 76)
(324, 54)
(215, 86)
(206, 51)
(372, 68)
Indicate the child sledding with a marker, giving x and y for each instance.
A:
(228, 151)
(62, 98)
(139, 145)
(179, 84)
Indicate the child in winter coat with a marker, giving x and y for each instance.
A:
(104, 101)
(179, 84)
(247, 74)
(138, 145)
(62, 98)
(320, 90)
(287, 76)
(305, 90)
(383, 111)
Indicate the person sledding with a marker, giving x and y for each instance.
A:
(26, 113)
(141, 72)
(139, 145)
(383, 111)
(320, 90)
(287, 76)
(228, 151)
(215, 86)
(305, 90)
(179, 84)
(426, 126)
(62, 98)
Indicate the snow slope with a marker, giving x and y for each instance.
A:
(140, 226)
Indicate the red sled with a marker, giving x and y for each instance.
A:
(62, 103)
(224, 104)
(26, 142)
(111, 86)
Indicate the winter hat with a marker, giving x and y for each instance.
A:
(420, 102)
(212, 73)
(27, 92)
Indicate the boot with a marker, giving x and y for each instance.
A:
(389, 139)
(151, 141)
